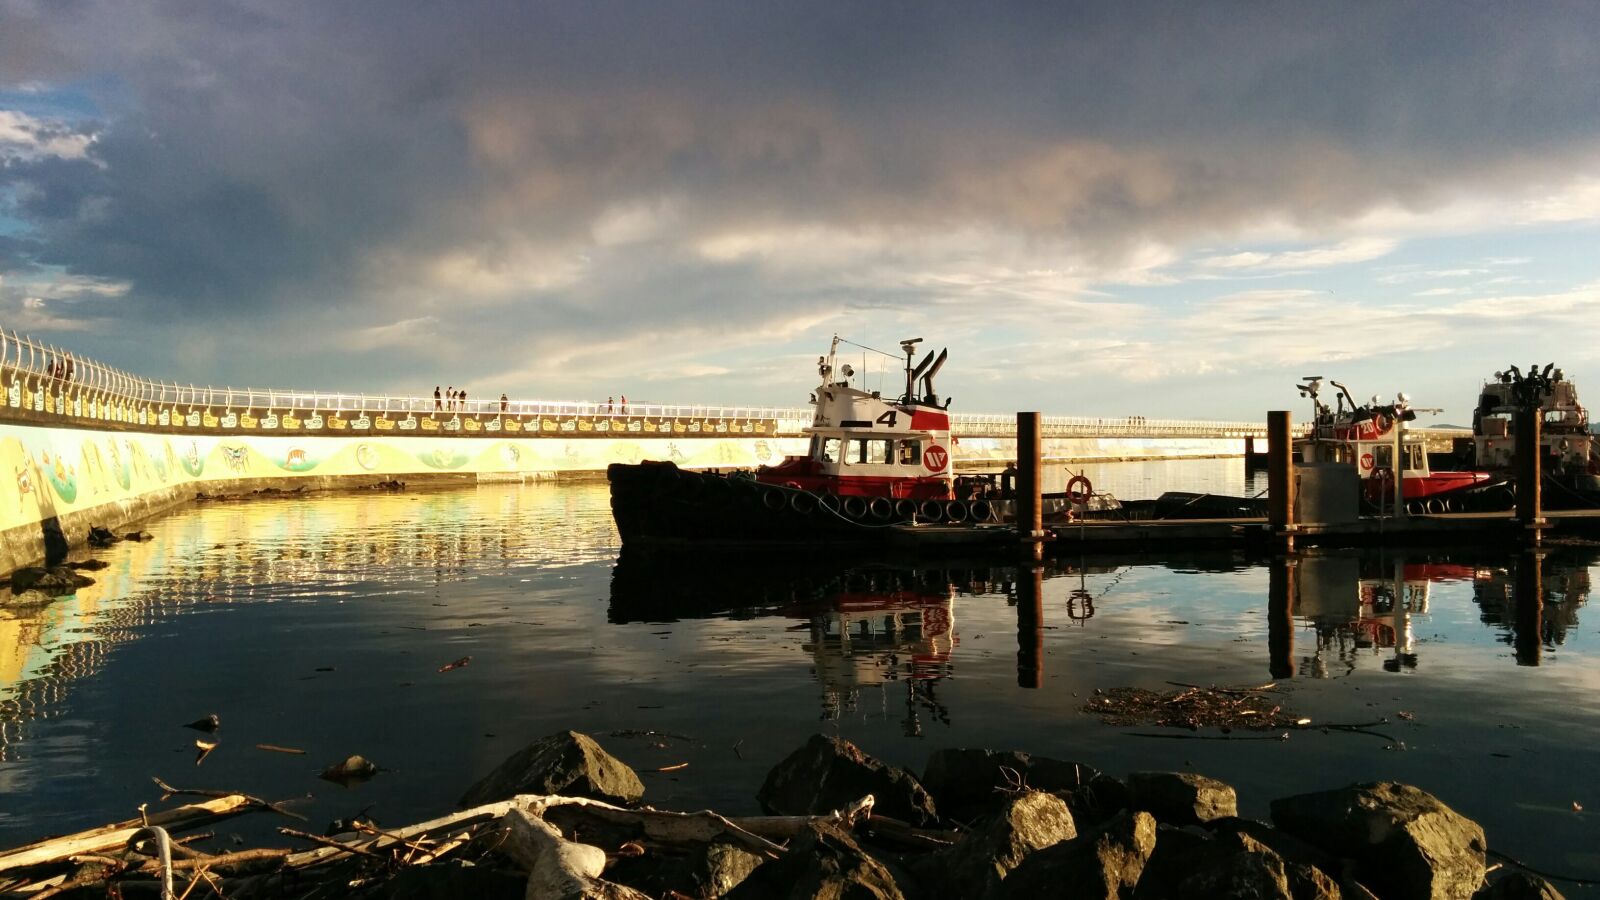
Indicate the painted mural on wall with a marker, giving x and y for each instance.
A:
(54, 471)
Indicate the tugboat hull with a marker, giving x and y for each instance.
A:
(656, 502)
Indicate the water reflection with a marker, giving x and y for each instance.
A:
(322, 624)
(1362, 605)
(213, 556)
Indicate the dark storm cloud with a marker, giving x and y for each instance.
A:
(361, 163)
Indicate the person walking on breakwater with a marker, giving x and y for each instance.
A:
(504, 403)
(437, 403)
(450, 397)
(624, 404)
(461, 399)
(610, 404)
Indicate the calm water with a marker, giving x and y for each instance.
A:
(321, 624)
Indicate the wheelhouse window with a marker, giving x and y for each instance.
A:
(1414, 457)
(825, 449)
(910, 453)
(868, 451)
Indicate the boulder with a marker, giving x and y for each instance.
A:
(566, 763)
(1237, 865)
(54, 580)
(1519, 886)
(352, 769)
(1406, 844)
(1291, 848)
(1179, 852)
(970, 782)
(100, 537)
(702, 871)
(1104, 864)
(138, 536)
(15, 600)
(1181, 798)
(89, 564)
(1029, 822)
(829, 773)
(1103, 798)
(824, 861)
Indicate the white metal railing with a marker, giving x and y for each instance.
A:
(1089, 426)
(59, 369)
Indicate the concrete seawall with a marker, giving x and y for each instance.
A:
(58, 480)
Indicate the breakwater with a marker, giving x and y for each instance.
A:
(86, 444)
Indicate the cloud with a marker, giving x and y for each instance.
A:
(1353, 250)
(404, 333)
(589, 183)
(25, 138)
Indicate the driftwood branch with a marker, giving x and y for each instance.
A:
(330, 843)
(485, 813)
(254, 801)
(116, 836)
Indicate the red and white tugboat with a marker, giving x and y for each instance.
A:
(863, 445)
(1571, 463)
(872, 463)
(1364, 436)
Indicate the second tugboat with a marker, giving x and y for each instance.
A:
(872, 463)
(1366, 436)
(1571, 458)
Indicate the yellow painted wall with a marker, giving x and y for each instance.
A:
(48, 471)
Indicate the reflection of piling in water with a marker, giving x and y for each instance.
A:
(1280, 617)
(1030, 628)
(1528, 594)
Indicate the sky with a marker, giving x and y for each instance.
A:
(1173, 210)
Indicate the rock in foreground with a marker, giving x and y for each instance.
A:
(54, 580)
(1407, 844)
(829, 773)
(824, 861)
(1181, 798)
(566, 763)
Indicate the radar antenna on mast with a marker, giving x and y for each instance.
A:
(909, 347)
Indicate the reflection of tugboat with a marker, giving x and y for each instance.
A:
(872, 463)
(1564, 585)
(867, 637)
(1359, 608)
(1571, 463)
(1363, 436)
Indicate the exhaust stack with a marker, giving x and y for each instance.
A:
(928, 396)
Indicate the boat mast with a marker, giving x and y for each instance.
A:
(909, 345)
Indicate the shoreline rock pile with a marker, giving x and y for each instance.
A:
(560, 819)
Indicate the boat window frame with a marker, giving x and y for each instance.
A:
(914, 458)
(1416, 458)
(828, 449)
